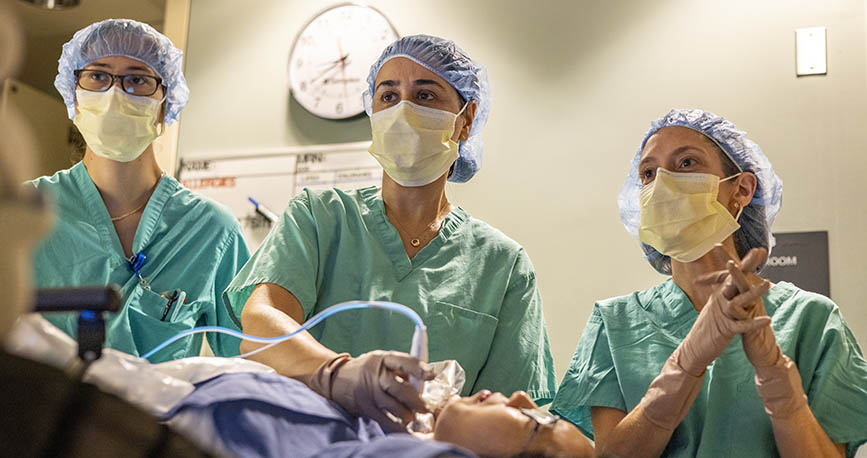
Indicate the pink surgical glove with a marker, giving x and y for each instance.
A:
(672, 393)
(373, 383)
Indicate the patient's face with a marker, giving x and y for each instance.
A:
(489, 424)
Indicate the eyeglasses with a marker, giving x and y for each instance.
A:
(100, 81)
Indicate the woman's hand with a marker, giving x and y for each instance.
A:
(372, 384)
(778, 382)
(760, 345)
(725, 314)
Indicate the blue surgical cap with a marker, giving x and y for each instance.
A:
(128, 38)
(470, 79)
(756, 218)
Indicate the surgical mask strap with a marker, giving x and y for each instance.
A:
(459, 115)
(733, 176)
(463, 108)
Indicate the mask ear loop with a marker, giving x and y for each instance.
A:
(466, 104)
(737, 205)
(733, 176)
(463, 108)
(163, 110)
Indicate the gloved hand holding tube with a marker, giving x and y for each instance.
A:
(372, 384)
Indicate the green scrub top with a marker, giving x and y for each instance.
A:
(474, 288)
(629, 338)
(192, 244)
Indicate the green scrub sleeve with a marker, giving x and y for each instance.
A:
(838, 392)
(591, 379)
(520, 336)
(288, 257)
(234, 255)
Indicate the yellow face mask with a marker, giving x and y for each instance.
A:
(116, 125)
(681, 216)
(412, 143)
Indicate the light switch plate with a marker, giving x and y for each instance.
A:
(811, 51)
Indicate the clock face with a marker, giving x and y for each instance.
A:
(332, 56)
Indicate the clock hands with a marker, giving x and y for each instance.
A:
(330, 69)
(341, 61)
(342, 66)
(335, 62)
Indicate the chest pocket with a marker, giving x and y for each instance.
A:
(148, 329)
(461, 334)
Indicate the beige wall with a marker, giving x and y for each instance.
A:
(575, 86)
(176, 25)
(40, 66)
(37, 110)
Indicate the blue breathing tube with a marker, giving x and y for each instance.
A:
(419, 336)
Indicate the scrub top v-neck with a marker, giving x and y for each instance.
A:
(191, 244)
(474, 288)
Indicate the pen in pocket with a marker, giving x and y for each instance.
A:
(177, 297)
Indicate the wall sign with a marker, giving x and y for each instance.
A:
(801, 258)
(272, 178)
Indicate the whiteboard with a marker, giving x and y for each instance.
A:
(273, 177)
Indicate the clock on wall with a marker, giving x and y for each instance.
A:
(332, 55)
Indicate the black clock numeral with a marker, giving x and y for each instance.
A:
(318, 99)
(303, 86)
(339, 108)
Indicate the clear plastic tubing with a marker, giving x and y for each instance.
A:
(419, 337)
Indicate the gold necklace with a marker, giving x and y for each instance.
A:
(416, 241)
(118, 218)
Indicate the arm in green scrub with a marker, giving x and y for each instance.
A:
(837, 393)
(272, 310)
(276, 293)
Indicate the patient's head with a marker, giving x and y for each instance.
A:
(490, 424)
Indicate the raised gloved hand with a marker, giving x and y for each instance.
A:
(725, 314)
(372, 384)
(778, 381)
(760, 345)
(672, 393)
